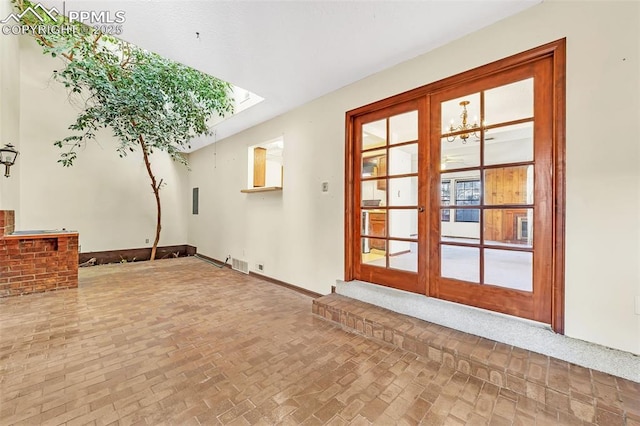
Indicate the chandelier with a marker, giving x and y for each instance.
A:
(468, 129)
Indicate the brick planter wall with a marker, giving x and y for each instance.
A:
(36, 263)
(7, 222)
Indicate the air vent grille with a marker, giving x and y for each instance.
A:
(240, 265)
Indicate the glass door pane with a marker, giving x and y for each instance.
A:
(509, 102)
(510, 269)
(403, 128)
(374, 134)
(459, 262)
(509, 144)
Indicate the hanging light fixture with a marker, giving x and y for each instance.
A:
(8, 156)
(469, 129)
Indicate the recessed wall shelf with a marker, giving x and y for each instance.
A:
(262, 189)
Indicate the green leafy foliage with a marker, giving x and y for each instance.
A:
(149, 102)
(138, 94)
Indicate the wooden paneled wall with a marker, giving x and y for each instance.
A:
(504, 186)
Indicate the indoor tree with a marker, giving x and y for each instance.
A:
(149, 102)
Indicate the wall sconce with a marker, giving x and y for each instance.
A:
(8, 156)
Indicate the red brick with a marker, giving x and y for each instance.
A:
(37, 264)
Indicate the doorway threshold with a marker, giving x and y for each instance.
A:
(518, 332)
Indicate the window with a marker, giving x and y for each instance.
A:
(445, 200)
(265, 162)
(468, 194)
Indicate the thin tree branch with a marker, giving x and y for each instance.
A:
(156, 192)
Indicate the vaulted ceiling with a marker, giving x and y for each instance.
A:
(291, 52)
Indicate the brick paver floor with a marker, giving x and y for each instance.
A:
(182, 342)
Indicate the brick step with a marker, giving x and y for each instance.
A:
(591, 395)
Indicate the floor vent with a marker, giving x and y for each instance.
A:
(240, 265)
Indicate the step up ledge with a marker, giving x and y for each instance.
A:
(540, 377)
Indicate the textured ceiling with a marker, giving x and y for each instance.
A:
(291, 52)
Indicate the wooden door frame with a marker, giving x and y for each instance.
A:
(557, 51)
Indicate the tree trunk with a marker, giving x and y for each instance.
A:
(156, 192)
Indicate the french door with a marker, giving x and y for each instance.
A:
(389, 204)
(492, 155)
(455, 190)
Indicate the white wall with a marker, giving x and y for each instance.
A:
(286, 231)
(107, 199)
(298, 233)
(273, 172)
(9, 112)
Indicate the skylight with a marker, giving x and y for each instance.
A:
(243, 99)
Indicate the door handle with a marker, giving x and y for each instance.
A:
(421, 209)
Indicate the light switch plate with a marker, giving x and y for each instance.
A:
(325, 186)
